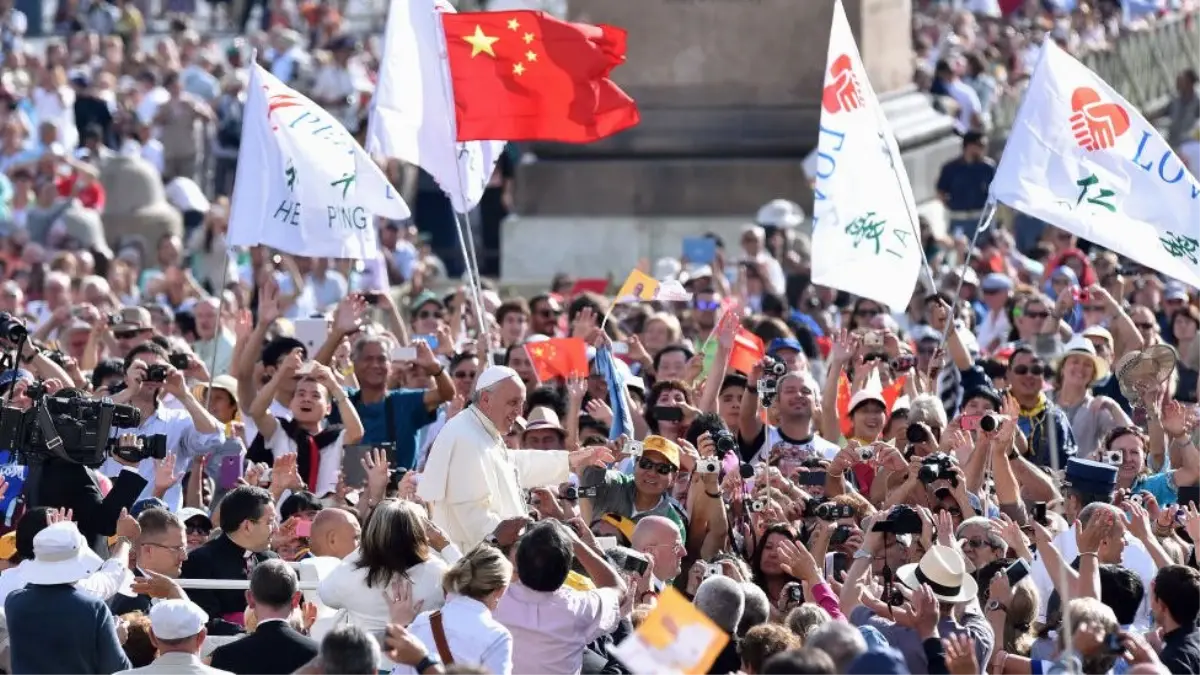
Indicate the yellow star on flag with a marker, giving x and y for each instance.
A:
(528, 38)
(530, 56)
(513, 24)
(518, 69)
(480, 43)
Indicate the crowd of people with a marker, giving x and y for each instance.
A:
(390, 472)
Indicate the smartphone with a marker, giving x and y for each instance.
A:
(265, 479)
(497, 357)
(371, 297)
(304, 529)
(430, 340)
(306, 368)
(620, 348)
(836, 565)
(404, 353)
(229, 472)
(969, 422)
(1016, 572)
(1039, 513)
(668, 413)
(635, 563)
(311, 333)
(179, 361)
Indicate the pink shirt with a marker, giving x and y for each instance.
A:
(550, 630)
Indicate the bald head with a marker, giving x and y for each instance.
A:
(335, 533)
(660, 538)
(653, 530)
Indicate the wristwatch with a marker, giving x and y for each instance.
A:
(426, 663)
(491, 539)
(995, 606)
(863, 554)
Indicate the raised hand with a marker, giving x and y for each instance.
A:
(164, 473)
(844, 93)
(599, 410)
(1178, 419)
(960, 654)
(402, 608)
(1095, 123)
(576, 388)
(348, 316)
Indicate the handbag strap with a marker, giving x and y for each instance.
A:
(439, 638)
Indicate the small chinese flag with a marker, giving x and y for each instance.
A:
(526, 76)
(890, 394)
(747, 351)
(558, 357)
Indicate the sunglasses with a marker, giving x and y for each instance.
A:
(868, 312)
(1036, 370)
(663, 468)
(1038, 315)
(429, 315)
(1144, 326)
(465, 375)
(707, 305)
(548, 313)
(593, 441)
(196, 529)
(976, 543)
(126, 334)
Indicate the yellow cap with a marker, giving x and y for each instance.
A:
(664, 447)
(578, 582)
(8, 545)
(624, 525)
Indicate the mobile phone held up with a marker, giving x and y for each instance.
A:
(664, 413)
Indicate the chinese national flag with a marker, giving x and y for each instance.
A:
(747, 351)
(526, 76)
(558, 357)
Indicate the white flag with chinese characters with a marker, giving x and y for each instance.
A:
(304, 185)
(864, 238)
(1082, 158)
(412, 114)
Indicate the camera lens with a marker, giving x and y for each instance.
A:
(866, 454)
(747, 471)
(917, 433)
(928, 473)
(725, 441)
(989, 422)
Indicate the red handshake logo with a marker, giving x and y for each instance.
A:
(1096, 123)
(844, 93)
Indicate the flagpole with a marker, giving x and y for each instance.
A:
(985, 221)
(212, 366)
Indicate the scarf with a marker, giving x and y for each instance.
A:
(308, 448)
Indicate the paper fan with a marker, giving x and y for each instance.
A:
(1143, 371)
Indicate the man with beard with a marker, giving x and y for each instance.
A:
(795, 438)
(191, 430)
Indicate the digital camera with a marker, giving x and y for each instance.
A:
(725, 441)
(827, 511)
(632, 448)
(901, 519)
(706, 466)
(758, 505)
(866, 454)
(989, 422)
(938, 466)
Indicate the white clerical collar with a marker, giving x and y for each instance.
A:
(487, 424)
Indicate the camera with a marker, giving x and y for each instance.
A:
(712, 570)
(900, 520)
(918, 433)
(775, 368)
(866, 454)
(570, 493)
(828, 511)
(1039, 513)
(632, 448)
(938, 466)
(1112, 457)
(12, 328)
(588, 492)
(989, 422)
(903, 362)
(795, 592)
(113, 319)
(746, 471)
(156, 373)
(758, 505)
(180, 361)
(725, 441)
(67, 427)
(708, 466)
(153, 447)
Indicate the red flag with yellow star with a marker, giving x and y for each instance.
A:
(526, 76)
(558, 357)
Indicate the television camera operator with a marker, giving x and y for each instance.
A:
(190, 431)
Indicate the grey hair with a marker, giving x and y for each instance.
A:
(758, 608)
(841, 641)
(361, 343)
(722, 600)
(928, 409)
(994, 540)
(804, 619)
(350, 650)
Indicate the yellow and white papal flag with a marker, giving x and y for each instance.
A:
(865, 239)
(304, 185)
(1082, 158)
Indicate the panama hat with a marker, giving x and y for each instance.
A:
(944, 571)
(60, 556)
(1081, 346)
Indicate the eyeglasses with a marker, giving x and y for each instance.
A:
(663, 468)
(1038, 315)
(1037, 370)
(195, 529)
(592, 441)
(175, 549)
(429, 315)
(465, 375)
(707, 305)
(126, 334)
(976, 543)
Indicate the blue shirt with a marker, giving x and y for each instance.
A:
(14, 475)
(410, 415)
(1161, 485)
(966, 183)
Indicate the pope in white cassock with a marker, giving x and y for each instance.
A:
(472, 481)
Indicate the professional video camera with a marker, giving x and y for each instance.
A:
(72, 428)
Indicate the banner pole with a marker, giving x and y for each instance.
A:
(985, 221)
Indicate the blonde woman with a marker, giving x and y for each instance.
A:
(470, 636)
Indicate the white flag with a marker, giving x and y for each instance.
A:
(304, 186)
(412, 114)
(1081, 157)
(864, 217)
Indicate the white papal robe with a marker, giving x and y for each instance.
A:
(472, 481)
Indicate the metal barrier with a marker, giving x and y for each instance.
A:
(1141, 66)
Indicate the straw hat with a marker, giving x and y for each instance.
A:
(944, 570)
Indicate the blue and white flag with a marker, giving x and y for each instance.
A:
(614, 377)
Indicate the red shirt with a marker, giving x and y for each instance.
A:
(91, 196)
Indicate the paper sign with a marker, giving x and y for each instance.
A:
(638, 287)
(699, 250)
(675, 637)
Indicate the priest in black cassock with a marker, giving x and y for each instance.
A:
(248, 520)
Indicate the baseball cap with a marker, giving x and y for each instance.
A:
(996, 282)
(1175, 291)
(664, 447)
(132, 319)
(176, 619)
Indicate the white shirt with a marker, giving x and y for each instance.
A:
(57, 106)
(104, 583)
(995, 327)
(276, 409)
(472, 635)
(330, 466)
(968, 104)
(182, 440)
(816, 447)
(1135, 557)
(147, 108)
(185, 195)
